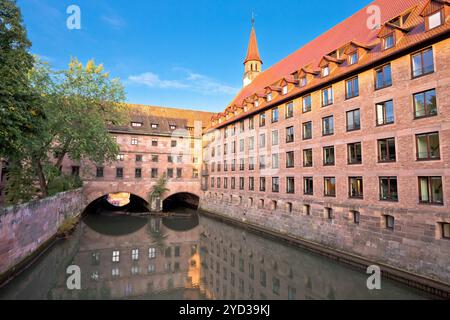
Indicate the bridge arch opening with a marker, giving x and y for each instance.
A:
(181, 202)
(120, 203)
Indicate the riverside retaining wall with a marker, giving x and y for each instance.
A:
(25, 228)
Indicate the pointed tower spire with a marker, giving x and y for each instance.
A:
(252, 62)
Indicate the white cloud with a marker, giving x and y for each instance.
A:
(114, 21)
(188, 80)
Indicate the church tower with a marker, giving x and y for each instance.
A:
(252, 62)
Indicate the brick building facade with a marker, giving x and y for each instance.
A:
(346, 141)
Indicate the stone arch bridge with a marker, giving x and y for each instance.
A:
(186, 191)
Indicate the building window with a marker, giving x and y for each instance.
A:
(388, 41)
(289, 110)
(383, 77)
(327, 96)
(328, 156)
(134, 141)
(356, 216)
(275, 137)
(353, 120)
(241, 165)
(353, 58)
(385, 112)
(355, 185)
(251, 183)
(307, 130)
(434, 20)
(308, 186)
(284, 90)
(241, 145)
(428, 146)
(75, 171)
(307, 158)
(445, 229)
(99, 173)
(154, 142)
(422, 63)
(251, 163)
(225, 182)
(262, 119)
(154, 173)
(155, 158)
(328, 126)
(170, 175)
(289, 134)
(274, 115)
(307, 209)
(275, 184)
(275, 162)
(251, 123)
(389, 222)
(169, 159)
(136, 124)
(251, 143)
(262, 184)
(225, 149)
(303, 81)
(325, 71)
(388, 188)
(328, 213)
(173, 143)
(233, 183)
(354, 153)
(262, 162)
(329, 186)
(290, 185)
(289, 206)
(138, 173)
(269, 97)
(262, 140)
(138, 158)
(290, 159)
(115, 272)
(119, 173)
(218, 182)
(430, 190)
(233, 165)
(116, 256)
(386, 150)
(135, 254)
(179, 173)
(351, 88)
(241, 126)
(154, 126)
(120, 157)
(425, 104)
(241, 183)
(306, 102)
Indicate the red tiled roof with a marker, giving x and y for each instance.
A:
(353, 28)
(252, 50)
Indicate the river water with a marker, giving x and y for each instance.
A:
(125, 257)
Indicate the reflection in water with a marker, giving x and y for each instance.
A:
(187, 258)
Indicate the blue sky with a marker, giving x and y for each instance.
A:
(185, 54)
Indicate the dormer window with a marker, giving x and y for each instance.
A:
(303, 81)
(388, 41)
(285, 90)
(325, 71)
(257, 103)
(269, 97)
(154, 126)
(353, 58)
(136, 124)
(434, 20)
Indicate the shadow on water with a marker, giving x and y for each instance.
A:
(188, 257)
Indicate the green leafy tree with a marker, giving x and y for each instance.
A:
(159, 188)
(78, 104)
(19, 110)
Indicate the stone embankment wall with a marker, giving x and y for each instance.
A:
(25, 228)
